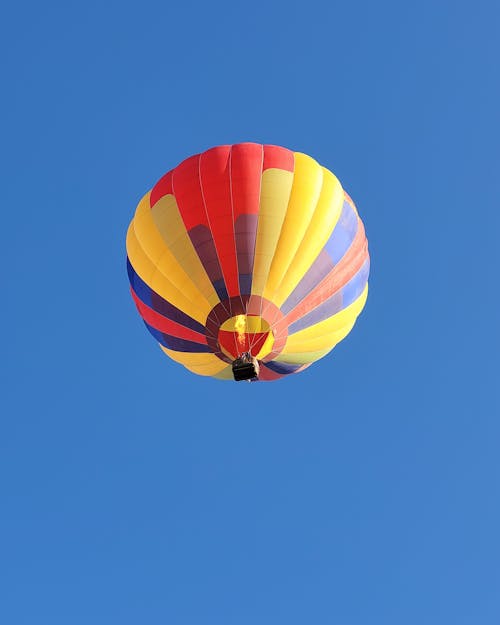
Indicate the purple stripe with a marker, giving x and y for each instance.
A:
(337, 302)
(314, 275)
(245, 233)
(353, 289)
(245, 283)
(337, 245)
(203, 243)
(175, 343)
(283, 368)
(141, 289)
(146, 294)
(343, 234)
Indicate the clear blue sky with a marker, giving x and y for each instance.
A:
(364, 491)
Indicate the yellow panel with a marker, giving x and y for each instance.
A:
(320, 228)
(267, 347)
(168, 220)
(225, 374)
(148, 271)
(304, 196)
(156, 265)
(274, 196)
(209, 373)
(321, 345)
(319, 334)
(302, 358)
(251, 324)
(150, 239)
(201, 363)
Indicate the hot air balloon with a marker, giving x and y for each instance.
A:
(248, 261)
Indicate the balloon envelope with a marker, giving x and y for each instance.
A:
(248, 248)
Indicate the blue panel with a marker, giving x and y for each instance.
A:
(245, 281)
(355, 286)
(337, 245)
(343, 234)
(141, 289)
(160, 305)
(174, 314)
(337, 302)
(284, 368)
(220, 289)
(314, 275)
(203, 243)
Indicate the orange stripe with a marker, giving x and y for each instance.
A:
(336, 279)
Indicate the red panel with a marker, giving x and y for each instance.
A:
(278, 157)
(161, 188)
(229, 341)
(252, 157)
(216, 185)
(245, 304)
(267, 375)
(339, 276)
(188, 193)
(246, 172)
(165, 325)
(349, 199)
(214, 188)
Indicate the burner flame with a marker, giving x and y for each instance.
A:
(240, 326)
